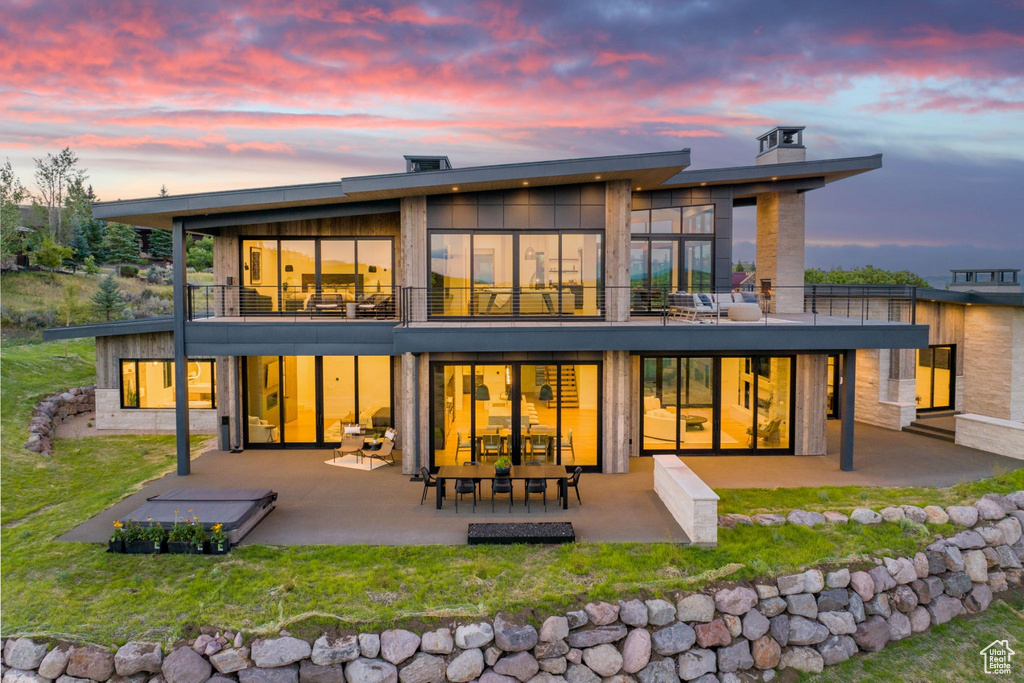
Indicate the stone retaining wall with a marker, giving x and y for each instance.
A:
(53, 411)
(744, 631)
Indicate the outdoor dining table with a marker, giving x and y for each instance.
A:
(518, 472)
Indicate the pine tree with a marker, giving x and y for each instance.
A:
(161, 244)
(80, 247)
(108, 299)
(121, 244)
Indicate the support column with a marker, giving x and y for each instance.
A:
(409, 414)
(181, 427)
(412, 265)
(849, 401)
(615, 412)
(618, 201)
(810, 417)
(780, 248)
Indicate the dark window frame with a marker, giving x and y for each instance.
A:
(516, 275)
(716, 407)
(168, 365)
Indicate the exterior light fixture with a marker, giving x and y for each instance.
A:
(775, 177)
(597, 177)
(455, 189)
(526, 182)
(703, 184)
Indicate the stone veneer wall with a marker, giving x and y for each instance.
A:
(802, 621)
(55, 410)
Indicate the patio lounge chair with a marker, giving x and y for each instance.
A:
(379, 305)
(386, 451)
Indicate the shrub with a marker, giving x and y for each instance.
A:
(90, 265)
(155, 275)
(128, 271)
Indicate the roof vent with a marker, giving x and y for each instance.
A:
(421, 164)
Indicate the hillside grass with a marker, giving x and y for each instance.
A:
(78, 592)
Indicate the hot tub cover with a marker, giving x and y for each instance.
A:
(238, 510)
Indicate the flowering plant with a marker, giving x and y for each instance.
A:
(217, 534)
(133, 532)
(155, 532)
(119, 532)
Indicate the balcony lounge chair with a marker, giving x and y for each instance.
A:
(380, 305)
(691, 307)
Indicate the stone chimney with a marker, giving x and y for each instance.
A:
(780, 225)
(781, 145)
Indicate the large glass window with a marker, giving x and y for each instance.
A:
(150, 384)
(515, 274)
(716, 405)
(291, 275)
(309, 399)
(671, 250)
(528, 412)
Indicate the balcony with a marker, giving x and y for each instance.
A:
(570, 305)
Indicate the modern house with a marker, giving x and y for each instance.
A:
(967, 386)
(543, 309)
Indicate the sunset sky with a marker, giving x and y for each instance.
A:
(200, 95)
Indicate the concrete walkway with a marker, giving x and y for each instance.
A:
(882, 458)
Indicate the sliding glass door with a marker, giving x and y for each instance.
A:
(528, 412)
(307, 400)
(716, 404)
(936, 378)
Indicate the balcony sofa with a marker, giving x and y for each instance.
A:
(692, 306)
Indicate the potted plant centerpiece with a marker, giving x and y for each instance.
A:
(198, 537)
(179, 536)
(502, 466)
(136, 539)
(218, 544)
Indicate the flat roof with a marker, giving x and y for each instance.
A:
(645, 170)
(163, 323)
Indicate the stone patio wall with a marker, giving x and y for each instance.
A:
(741, 631)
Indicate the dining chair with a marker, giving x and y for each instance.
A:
(429, 482)
(461, 445)
(476, 480)
(502, 485)
(566, 444)
(462, 487)
(574, 483)
(539, 445)
(536, 486)
(490, 444)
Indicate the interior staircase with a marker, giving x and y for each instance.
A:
(938, 425)
(548, 374)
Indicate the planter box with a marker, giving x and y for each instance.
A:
(184, 548)
(115, 546)
(217, 547)
(143, 547)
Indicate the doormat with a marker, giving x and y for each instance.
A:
(352, 462)
(526, 532)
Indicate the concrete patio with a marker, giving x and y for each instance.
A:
(321, 504)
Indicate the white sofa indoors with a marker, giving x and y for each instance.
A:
(658, 423)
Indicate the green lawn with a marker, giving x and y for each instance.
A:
(111, 598)
(945, 653)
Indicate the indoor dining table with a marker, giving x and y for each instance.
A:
(521, 472)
